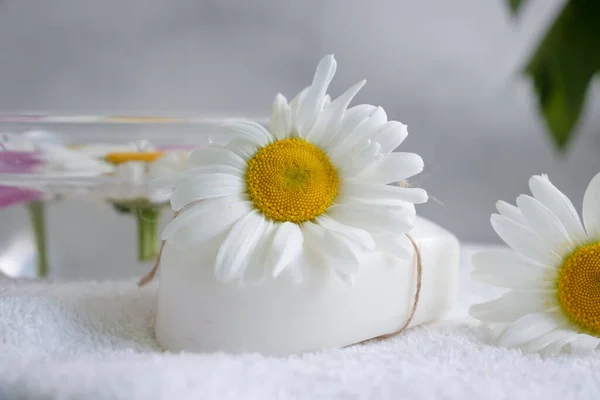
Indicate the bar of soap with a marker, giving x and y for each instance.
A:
(196, 312)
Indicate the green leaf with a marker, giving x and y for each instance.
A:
(515, 5)
(563, 66)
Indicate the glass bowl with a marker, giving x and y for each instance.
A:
(75, 200)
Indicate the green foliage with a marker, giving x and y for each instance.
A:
(563, 66)
(515, 5)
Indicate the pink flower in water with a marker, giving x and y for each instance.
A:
(11, 195)
(17, 162)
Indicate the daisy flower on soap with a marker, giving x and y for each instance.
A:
(311, 189)
(552, 272)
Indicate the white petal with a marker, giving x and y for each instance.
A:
(336, 250)
(250, 130)
(349, 143)
(591, 208)
(391, 135)
(243, 147)
(558, 344)
(352, 119)
(281, 118)
(398, 245)
(512, 212)
(341, 255)
(393, 167)
(560, 205)
(512, 306)
(311, 255)
(287, 244)
(206, 187)
(239, 246)
(295, 111)
(360, 237)
(377, 121)
(298, 268)
(132, 172)
(584, 344)
(524, 241)
(409, 208)
(507, 269)
(544, 341)
(298, 99)
(543, 222)
(169, 163)
(375, 219)
(329, 120)
(216, 155)
(383, 194)
(172, 180)
(59, 158)
(256, 271)
(369, 155)
(528, 327)
(313, 100)
(205, 220)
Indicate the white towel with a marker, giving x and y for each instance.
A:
(94, 340)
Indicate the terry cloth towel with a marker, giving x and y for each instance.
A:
(94, 340)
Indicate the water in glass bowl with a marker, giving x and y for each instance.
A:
(75, 199)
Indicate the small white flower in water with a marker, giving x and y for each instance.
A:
(133, 178)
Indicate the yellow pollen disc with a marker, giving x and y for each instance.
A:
(291, 180)
(579, 288)
(123, 157)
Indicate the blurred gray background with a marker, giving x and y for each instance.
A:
(448, 69)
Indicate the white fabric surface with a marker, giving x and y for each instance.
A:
(94, 340)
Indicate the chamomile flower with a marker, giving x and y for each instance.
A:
(553, 272)
(130, 192)
(133, 171)
(312, 189)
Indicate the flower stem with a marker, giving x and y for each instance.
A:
(148, 219)
(36, 213)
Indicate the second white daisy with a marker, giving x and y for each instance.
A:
(553, 272)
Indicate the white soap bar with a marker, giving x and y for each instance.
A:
(196, 312)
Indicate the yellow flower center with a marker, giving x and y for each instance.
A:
(291, 180)
(579, 288)
(123, 157)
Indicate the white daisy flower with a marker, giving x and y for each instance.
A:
(134, 170)
(55, 158)
(60, 160)
(131, 193)
(130, 168)
(553, 272)
(313, 186)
